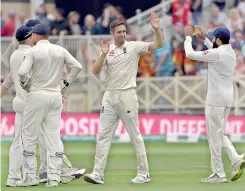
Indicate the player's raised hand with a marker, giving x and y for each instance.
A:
(155, 21)
(104, 46)
(199, 32)
(189, 31)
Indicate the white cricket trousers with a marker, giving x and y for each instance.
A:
(66, 166)
(42, 113)
(215, 123)
(121, 104)
(16, 149)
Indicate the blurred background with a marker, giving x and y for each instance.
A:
(171, 88)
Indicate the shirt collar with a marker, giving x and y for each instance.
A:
(43, 42)
(123, 46)
(24, 46)
(225, 46)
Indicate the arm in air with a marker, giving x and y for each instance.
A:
(207, 55)
(104, 46)
(158, 40)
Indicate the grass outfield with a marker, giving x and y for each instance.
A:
(173, 167)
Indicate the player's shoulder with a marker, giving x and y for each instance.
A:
(56, 46)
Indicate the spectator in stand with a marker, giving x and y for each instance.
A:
(90, 26)
(239, 41)
(2, 21)
(197, 11)
(240, 67)
(220, 4)
(117, 12)
(74, 18)
(49, 16)
(177, 44)
(147, 65)
(164, 62)
(21, 20)
(241, 8)
(60, 25)
(218, 18)
(190, 67)
(9, 26)
(234, 20)
(106, 18)
(243, 50)
(181, 11)
(234, 29)
(41, 16)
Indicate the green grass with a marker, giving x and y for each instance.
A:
(173, 167)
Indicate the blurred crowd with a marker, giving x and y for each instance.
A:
(66, 24)
(170, 60)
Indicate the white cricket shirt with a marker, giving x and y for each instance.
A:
(221, 68)
(45, 63)
(122, 64)
(15, 61)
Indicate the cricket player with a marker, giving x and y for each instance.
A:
(221, 60)
(120, 100)
(68, 172)
(40, 75)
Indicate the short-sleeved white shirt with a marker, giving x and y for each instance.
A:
(122, 64)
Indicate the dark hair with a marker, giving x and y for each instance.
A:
(225, 40)
(116, 23)
(60, 11)
(106, 5)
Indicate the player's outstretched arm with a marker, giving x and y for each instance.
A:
(158, 40)
(104, 47)
(207, 56)
(7, 83)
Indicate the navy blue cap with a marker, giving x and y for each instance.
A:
(23, 33)
(32, 23)
(41, 29)
(222, 32)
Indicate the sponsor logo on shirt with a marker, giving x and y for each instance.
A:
(111, 53)
(205, 52)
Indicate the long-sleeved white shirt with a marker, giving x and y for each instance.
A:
(221, 68)
(44, 64)
(15, 62)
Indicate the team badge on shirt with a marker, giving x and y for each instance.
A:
(111, 53)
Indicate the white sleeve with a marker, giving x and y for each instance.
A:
(207, 55)
(73, 64)
(8, 81)
(208, 43)
(26, 66)
(141, 47)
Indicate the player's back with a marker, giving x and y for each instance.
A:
(48, 64)
(15, 61)
(220, 77)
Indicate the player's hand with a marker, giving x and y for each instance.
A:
(189, 31)
(155, 21)
(64, 84)
(104, 46)
(199, 32)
